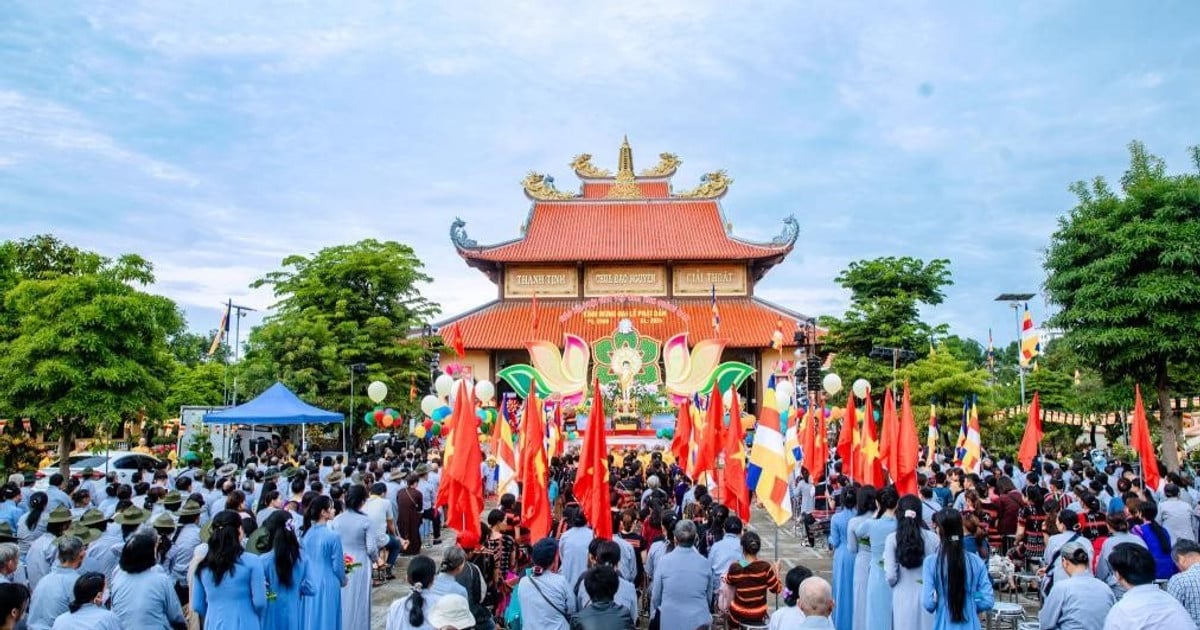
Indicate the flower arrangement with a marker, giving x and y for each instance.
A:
(351, 565)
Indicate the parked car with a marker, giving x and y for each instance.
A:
(125, 463)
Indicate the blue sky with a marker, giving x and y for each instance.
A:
(215, 138)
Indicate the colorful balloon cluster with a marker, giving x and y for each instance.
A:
(487, 419)
(382, 417)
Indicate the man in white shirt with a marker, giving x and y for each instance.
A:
(383, 527)
(1145, 606)
(1175, 515)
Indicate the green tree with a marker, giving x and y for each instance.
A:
(86, 348)
(343, 305)
(1124, 270)
(886, 295)
(200, 384)
(191, 349)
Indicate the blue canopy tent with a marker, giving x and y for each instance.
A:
(277, 405)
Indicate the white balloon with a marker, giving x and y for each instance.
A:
(783, 400)
(443, 385)
(376, 391)
(429, 403)
(861, 388)
(485, 391)
(832, 383)
(727, 399)
(784, 390)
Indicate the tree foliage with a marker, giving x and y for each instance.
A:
(85, 347)
(1124, 270)
(348, 304)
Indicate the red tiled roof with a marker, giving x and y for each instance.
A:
(654, 190)
(507, 325)
(625, 230)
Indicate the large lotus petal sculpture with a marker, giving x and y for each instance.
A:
(688, 373)
(562, 376)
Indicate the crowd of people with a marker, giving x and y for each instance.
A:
(300, 543)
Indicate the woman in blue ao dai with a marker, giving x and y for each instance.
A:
(322, 551)
(955, 585)
(843, 560)
(229, 591)
(286, 571)
(903, 557)
(876, 531)
(354, 528)
(861, 549)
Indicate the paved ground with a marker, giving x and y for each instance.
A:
(789, 549)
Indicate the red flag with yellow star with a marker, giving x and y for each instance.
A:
(534, 468)
(737, 497)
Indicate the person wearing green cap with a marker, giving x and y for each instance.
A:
(40, 558)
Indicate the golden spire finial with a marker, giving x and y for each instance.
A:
(625, 158)
(625, 187)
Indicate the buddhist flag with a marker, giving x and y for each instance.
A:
(222, 330)
(870, 468)
(506, 460)
(845, 444)
(1031, 341)
(737, 493)
(681, 442)
(1139, 439)
(716, 313)
(888, 452)
(710, 443)
(591, 482)
(907, 448)
(533, 470)
(931, 438)
(768, 469)
(464, 498)
(972, 455)
(1033, 434)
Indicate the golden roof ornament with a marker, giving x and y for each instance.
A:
(712, 185)
(625, 186)
(584, 168)
(541, 187)
(667, 163)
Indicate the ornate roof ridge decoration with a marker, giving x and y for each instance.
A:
(712, 186)
(790, 232)
(458, 235)
(583, 166)
(667, 165)
(541, 188)
(625, 186)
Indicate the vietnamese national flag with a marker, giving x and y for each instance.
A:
(464, 496)
(887, 442)
(1033, 434)
(908, 447)
(454, 339)
(681, 442)
(709, 444)
(534, 470)
(737, 497)
(1140, 441)
(591, 480)
(808, 437)
(845, 443)
(870, 467)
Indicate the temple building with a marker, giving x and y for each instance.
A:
(626, 254)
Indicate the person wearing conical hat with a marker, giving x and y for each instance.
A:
(182, 546)
(40, 558)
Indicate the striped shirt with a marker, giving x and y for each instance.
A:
(751, 583)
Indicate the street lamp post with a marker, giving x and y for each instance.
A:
(1015, 300)
(355, 368)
